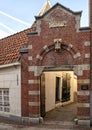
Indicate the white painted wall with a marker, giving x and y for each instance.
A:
(50, 90)
(10, 78)
(50, 85)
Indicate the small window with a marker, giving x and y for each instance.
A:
(4, 100)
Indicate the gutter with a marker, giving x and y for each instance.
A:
(9, 65)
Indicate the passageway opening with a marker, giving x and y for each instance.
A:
(60, 89)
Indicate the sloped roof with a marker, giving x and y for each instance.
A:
(10, 46)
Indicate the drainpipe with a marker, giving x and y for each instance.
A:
(90, 24)
(91, 77)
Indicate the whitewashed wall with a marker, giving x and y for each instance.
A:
(50, 90)
(10, 78)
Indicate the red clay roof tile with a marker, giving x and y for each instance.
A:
(10, 46)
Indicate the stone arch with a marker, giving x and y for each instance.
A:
(67, 51)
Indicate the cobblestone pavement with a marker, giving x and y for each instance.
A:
(61, 118)
(62, 113)
(46, 125)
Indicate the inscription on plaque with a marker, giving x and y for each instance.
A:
(54, 24)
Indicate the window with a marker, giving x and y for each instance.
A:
(4, 100)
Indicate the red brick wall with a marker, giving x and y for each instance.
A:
(90, 12)
(83, 112)
(46, 35)
(90, 23)
(83, 99)
(24, 85)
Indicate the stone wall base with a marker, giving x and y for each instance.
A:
(29, 120)
(84, 122)
(22, 120)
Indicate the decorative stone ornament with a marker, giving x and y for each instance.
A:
(57, 44)
(55, 23)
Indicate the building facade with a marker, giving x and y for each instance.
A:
(47, 65)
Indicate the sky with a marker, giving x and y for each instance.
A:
(18, 15)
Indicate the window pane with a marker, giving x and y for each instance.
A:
(6, 92)
(1, 109)
(0, 103)
(6, 109)
(4, 100)
(0, 97)
(0, 92)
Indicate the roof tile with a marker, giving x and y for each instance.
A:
(10, 46)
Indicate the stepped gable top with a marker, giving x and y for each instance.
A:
(58, 4)
(10, 46)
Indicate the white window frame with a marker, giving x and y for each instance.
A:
(4, 100)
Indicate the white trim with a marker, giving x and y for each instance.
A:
(84, 123)
(35, 120)
(45, 47)
(39, 57)
(36, 69)
(87, 81)
(29, 46)
(86, 66)
(9, 65)
(81, 81)
(34, 92)
(33, 103)
(87, 43)
(87, 105)
(87, 55)
(30, 81)
(77, 55)
(30, 58)
(83, 93)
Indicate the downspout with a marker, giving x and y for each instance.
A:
(90, 78)
(22, 52)
(90, 23)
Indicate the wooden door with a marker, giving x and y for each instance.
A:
(42, 95)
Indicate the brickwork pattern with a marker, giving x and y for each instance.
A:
(43, 55)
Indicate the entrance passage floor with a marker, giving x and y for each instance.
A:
(62, 113)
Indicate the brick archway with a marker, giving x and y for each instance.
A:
(66, 51)
(73, 57)
(42, 61)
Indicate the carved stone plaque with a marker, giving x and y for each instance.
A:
(54, 24)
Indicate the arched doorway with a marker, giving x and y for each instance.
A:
(58, 88)
(58, 84)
